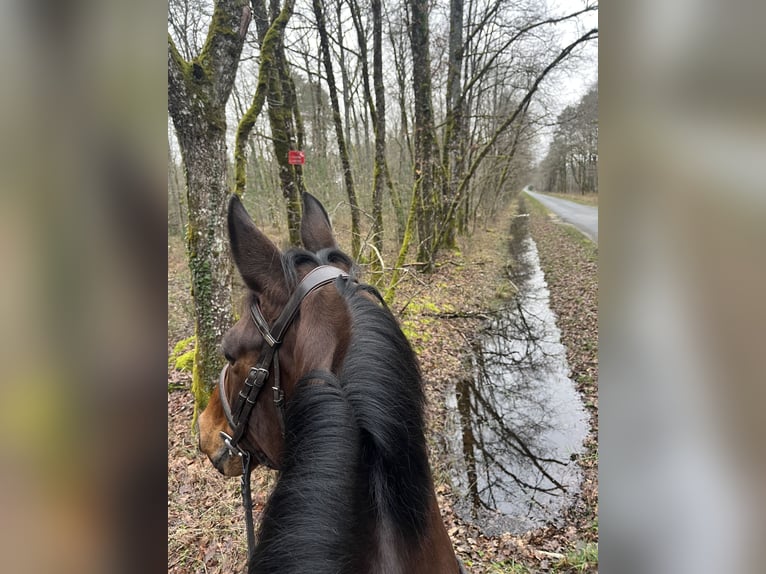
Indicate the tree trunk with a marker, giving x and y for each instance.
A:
(405, 145)
(283, 135)
(424, 131)
(274, 83)
(407, 239)
(345, 81)
(380, 171)
(378, 115)
(453, 128)
(197, 95)
(342, 149)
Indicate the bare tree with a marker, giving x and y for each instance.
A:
(452, 161)
(197, 95)
(572, 158)
(424, 130)
(348, 178)
(188, 21)
(515, 115)
(377, 109)
(494, 75)
(275, 83)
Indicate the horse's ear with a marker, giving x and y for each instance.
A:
(316, 231)
(256, 257)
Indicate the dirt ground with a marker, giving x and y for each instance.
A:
(205, 522)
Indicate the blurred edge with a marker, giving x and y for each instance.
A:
(82, 202)
(682, 148)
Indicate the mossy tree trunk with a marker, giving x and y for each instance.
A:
(406, 241)
(283, 127)
(276, 86)
(197, 95)
(379, 125)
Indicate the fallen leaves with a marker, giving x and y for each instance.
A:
(441, 311)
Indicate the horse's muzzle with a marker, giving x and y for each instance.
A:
(226, 463)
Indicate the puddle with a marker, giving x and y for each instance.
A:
(516, 422)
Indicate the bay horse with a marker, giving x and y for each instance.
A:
(344, 422)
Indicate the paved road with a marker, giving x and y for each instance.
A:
(583, 217)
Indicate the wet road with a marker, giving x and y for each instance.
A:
(583, 217)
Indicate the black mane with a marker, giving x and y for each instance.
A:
(381, 378)
(311, 516)
(355, 451)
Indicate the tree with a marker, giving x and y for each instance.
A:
(197, 94)
(348, 178)
(453, 125)
(380, 171)
(377, 110)
(424, 131)
(276, 85)
(572, 159)
(502, 55)
(513, 116)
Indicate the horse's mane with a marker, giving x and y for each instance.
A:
(353, 445)
(310, 517)
(381, 379)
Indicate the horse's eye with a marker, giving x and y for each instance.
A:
(229, 358)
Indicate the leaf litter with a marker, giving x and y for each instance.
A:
(438, 312)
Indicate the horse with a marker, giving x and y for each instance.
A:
(343, 423)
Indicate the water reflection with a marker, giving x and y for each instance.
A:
(517, 422)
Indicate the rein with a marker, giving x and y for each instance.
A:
(238, 416)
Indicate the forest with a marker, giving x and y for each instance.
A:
(416, 120)
(416, 124)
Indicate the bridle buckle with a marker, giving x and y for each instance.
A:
(279, 396)
(255, 370)
(233, 449)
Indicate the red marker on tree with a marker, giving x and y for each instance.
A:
(295, 157)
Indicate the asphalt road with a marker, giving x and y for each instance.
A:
(583, 217)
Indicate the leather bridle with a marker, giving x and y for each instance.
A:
(238, 416)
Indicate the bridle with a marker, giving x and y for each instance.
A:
(238, 416)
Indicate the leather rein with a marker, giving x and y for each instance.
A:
(238, 416)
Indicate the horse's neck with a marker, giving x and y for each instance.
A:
(431, 555)
(390, 559)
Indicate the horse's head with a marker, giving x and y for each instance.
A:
(316, 339)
